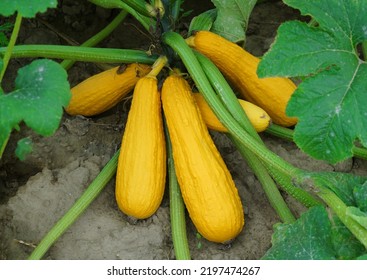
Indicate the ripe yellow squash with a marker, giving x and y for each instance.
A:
(102, 91)
(141, 169)
(239, 67)
(257, 116)
(207, 187)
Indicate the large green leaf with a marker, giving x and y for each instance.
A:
(309, 238)
(41, 91)
(27, 8)
(331, 103)
(232, 18)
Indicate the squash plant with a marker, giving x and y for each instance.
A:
(340, 235)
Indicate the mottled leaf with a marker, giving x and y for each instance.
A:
(331, 102)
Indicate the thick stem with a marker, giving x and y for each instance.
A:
(77, 209)
(103, 55)
(158, 66)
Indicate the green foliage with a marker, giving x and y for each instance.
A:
(314, 237)
(309, 238)
(232, 18)
(41, 91)
(27, 8)
(331, 102)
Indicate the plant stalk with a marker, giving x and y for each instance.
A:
(86, 54)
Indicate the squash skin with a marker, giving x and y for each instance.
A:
(239, 67)
(141, 169)
(104, 90)
(257, 116)
(207, 187)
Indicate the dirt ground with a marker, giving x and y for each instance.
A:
(35, 193)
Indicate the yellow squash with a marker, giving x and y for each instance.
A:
(141, 170)
(239, 67)
(257, 116)
(207, 187)
(102, 91)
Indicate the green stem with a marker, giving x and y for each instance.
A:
(9, 48)
(91, 42)
(104, 55)
(177, 210)
(77, 209)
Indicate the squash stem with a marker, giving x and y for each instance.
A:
(9, 49)
(77, 209)
(158, 66)
(98, 37)
(177, 209)
(86, 54)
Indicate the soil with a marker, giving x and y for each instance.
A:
(36, 192)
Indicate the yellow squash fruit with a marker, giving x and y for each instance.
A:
(102, 91)
(239, 67)
(257, 116)
(207, 187)
(141, 169)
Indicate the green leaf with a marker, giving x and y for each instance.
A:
(24, 147)
(204, 21)
(357, 215)
(346, 246)
(331, 102)
(232, 18)
(360, 196)
(309, 238)
(41, 91)
(27, 8)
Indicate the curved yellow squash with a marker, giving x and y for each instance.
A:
(239, 67)
(141, 170)
(207, 187)
(257, 116)
(104, 90)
